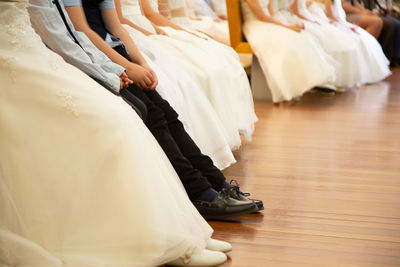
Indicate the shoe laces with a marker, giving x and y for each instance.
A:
(224, 193)
(236, 187)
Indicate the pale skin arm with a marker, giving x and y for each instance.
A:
(257, 10)
(294, 8)
(156, 18)
(123, 20)
(115, 27)
(329, 13)
(158, 29)
(309, 3)
(159, 19)
(138, 74)
(328, 10)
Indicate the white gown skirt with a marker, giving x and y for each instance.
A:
(336, 43)
(376, 67)
(292, 62)
(216, 69)
(228, 83)
(82, 181)
(193, 107)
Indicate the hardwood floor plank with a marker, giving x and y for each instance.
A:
(328, 170)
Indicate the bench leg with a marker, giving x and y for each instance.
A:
(259, 86)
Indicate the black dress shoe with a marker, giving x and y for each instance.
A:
(224, 207)
(234, 192)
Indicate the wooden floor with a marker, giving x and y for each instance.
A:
(328, 170)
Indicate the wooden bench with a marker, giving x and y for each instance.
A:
(259, 85)
(238, 41)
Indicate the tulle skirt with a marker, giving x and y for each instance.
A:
(82, 181)
(194, 109)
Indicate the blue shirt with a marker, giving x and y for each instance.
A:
(48, 23)
(105, 4)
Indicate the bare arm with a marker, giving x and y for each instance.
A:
(328, 9)
(160, 20)
(156, 18)
(270, 9)
(123, 20)
(158, 29)
(294, 8)
(78, 18)
(141, 76)
(257, 10)
(114, 26)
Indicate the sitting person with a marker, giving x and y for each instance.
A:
(382, 29)
(194, 109)
(386, 11)
(219, 7)
(196, 170)
(356, 14)
(336, 43)
(196, 15)
(282, 51)
(215, 67)
(82, 181)
(376, 67)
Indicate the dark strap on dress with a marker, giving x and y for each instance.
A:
(65, 21)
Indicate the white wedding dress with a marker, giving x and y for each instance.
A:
(193, 107)
(82, 181)
(376, 66)
(292, 62)
(350, 71)
(198, 16)
(214, 67)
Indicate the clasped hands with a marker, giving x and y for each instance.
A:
(296, 27)
(141, 75)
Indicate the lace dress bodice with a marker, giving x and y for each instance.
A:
(15, 29)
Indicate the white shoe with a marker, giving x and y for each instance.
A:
(218, 245)
(205, 258)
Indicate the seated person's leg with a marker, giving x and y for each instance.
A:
(191, 178)
(386, 38)
(396, 41)
(187, 146)
(371, 24)
(192, 152)
(135, 102)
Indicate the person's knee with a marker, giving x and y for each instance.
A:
(379, 23)
(375, 22)
(169, 112)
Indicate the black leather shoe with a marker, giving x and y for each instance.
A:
(234, 192)
(224, 207)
